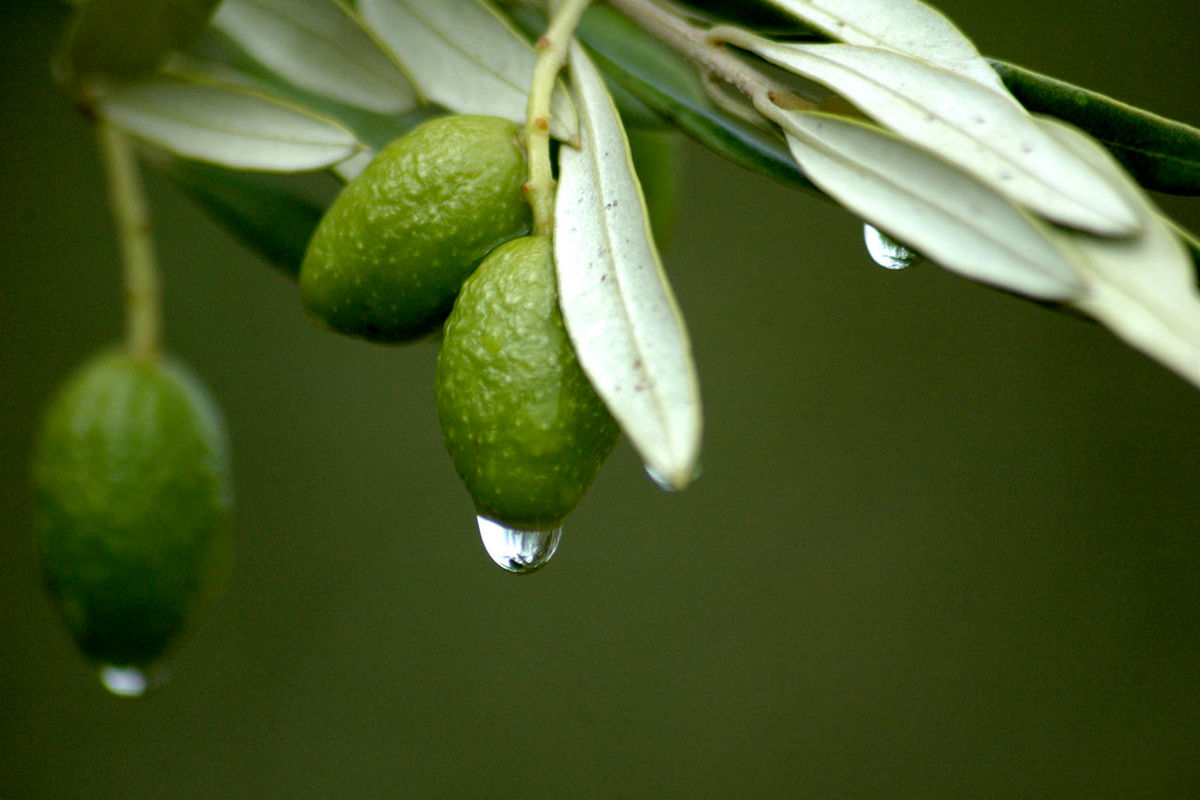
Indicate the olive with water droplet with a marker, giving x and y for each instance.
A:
(131, 508)
(523, 426)
(389, 255)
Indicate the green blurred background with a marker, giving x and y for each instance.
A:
(945, 544)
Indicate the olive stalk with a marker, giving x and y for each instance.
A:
(143, 312)
(552, 55)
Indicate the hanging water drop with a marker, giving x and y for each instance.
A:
(886, 251)
(127, 681)
(518, 550)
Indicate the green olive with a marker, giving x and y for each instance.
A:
(523, 426)
(131, 505)
(390, 254)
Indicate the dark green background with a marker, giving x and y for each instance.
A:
(945, 545)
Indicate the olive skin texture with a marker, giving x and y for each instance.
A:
(390, 254)
(522, 424)
(131, 505)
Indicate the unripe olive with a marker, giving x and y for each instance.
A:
(388, 257)
(523, 426)
(131, 505)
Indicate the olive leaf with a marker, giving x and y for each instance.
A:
(216, 59)
(318, 45)
(970, 126)
(1163, 154)
(128, 38)
(904, 26)
(1143, 288)
(226, 125)
(465, 56)
(618, 307)
(915, 197)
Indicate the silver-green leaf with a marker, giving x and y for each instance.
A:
(1142, 288)
(465, 56)
(226, 125)
(318, 45)
(617, 304)
(970, 126)
(904, 26)
(915, 197)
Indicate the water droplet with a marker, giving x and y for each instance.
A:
(129, 681)
(664, 483)
(516, 550)
(886, 251)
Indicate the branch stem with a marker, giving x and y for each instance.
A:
(552, 55)
(707, 51)
(143, 305)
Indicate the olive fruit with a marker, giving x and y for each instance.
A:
(389, 255)
(131, 505)
(523, 426)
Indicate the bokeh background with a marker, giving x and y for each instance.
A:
(945, 543)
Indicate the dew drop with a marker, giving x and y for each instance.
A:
(665, 483)
(517, 550)
(886, 251)
(128, 681)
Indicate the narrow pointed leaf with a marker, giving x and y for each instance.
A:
(464, 56)
(904, 26)
(267, 218)
(661, 80)
(349, 169)
(320, 46)
(618, 307)
(1142, 288)
(217, 60)
(972, 127)
(946, 215)
(1163, 154)
(128, 38)
(226, 126)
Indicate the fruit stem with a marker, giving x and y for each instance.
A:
(143, 314)
(552, 55)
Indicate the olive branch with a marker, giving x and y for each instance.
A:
(883, 107)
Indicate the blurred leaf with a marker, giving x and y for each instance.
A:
(918, 199)
(617, 304)
(665, 83)
(466, 56)
(349, 169)
(658, 161)
(218, 59)
(227, 126)
(903, 26)
(127, 38)
(318, 45)
(970, 126)
(1191, 242)
(1164, 155)
(267, 218)
(1142, 288)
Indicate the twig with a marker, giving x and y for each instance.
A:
(709, 54)
(552, 54)
(143, 315)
